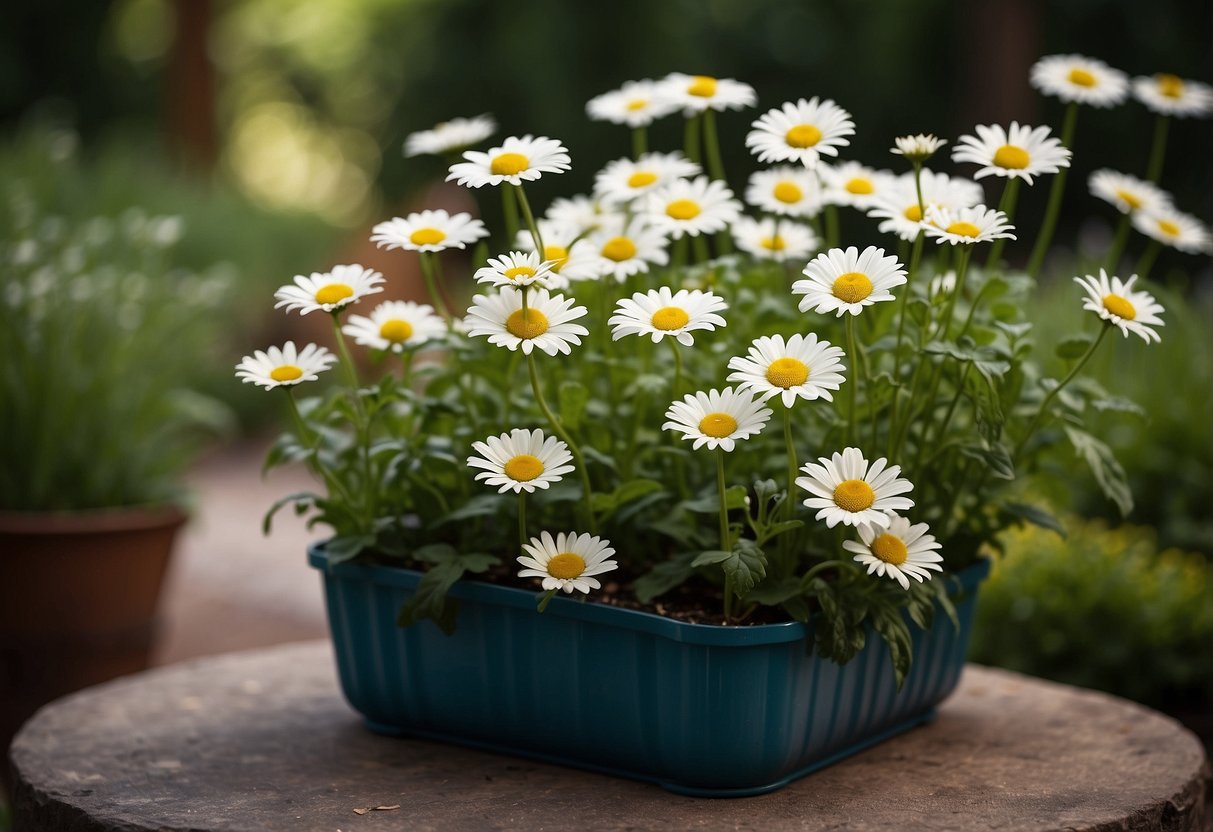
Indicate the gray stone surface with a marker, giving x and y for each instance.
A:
(263, 741)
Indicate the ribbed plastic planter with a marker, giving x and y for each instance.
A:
(699, 709)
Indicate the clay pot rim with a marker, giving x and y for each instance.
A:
(93, 521)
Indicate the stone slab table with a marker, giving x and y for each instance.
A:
(263, 741)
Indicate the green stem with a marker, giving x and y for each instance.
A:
(831, 213)
(1045, 237)
(578, 459)
(522, 538)
(724, 533)
(309, 439)
(530, 220)
(673, 342)
(1158, 149)
(1052, 394)
(1010, 193)
(1147, 259)
(347, 360)
(855, 374)
(509, 211)
(915, 259)
(690, 139)
(825, 564)
(700, 245)
(793, 468)
(640, 142)
(711, 145)
(1118, 242)
(431, 285)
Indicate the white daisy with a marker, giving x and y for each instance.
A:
(329, 291)
(942, 285)
(516, 161)
(570, 256)
(801, 132)
(1175, 229)
(636, 104)
(1171, 95)
(580, 213)
(800, 368)
(1020, 152)
(450, 136)
(547, 323)
(966, 226)
(285, 366)
(624, 180)
(568, 562)
(660, 312)
(694, 207)
(853, 184)
(516, 269)
(917, 147)
(620, 250)
(847, 281)
(696, 93)
(1081, 79)
(775, 239)
(847, 490)
(396, 325)
(428, 231)
(1128, 193)
(898, 207)
(901, 551)
(521, 460)
(786, 190)
(1115, 302)
(717, 419)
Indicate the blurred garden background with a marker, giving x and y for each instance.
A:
(248, 141)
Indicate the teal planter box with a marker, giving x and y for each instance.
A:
(698, 709)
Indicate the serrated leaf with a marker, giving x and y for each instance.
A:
(1073, 347)
(746, 566)
(1107, 471)
(1036, 516)
(892, 628)
(573, 396)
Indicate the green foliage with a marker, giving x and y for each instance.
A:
(1105, 608)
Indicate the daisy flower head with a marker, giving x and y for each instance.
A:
(567, 562)
(521, 460)
(329, 291)
(775, 239)
(917, 147)
(1017, 152)
(787, 191)
(853, 184)
(898, 209)
(516, 161)
(847, 489)
(428, 231)
(1128, 193)
(696, 93)
(847, 281)
(516, 269)
(1080, 79)
(636, 104)
(660, 312)
(801, 132)
(625, 180)
(966, 226)
(1115, 301)
(691, 206)
(547, 323)
(717, 419)
(1175, 229)
(1170, 95)
(900, 551)
(396, 325)
(581, 213)
(450, 136)
(621, 250)
(564, 249)
(799, 368)
(284, 366)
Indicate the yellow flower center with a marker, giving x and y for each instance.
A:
(1119, 306)
(287, 372)
(788, 192)
(1011, 157)
(519, 271)
(526, 326)
(717, 425)
(890, 548)
(641, 178)
(1081, 78)
(668, 318)
(775, 243)
(396, 331)
(787, 372)
(427, 237)
(333, 293)
(559, 255)
(913, 213)
(508, 164)
(523, 468)
(637, 104)
(566, 565)
(619, 249)
(859, 185)
(852, 287)
(964, 229)
(854, 495)
(1169, 228)
(1130, 199)
(683, 209)
(1172, 86)
(802, 135)
(703, 86)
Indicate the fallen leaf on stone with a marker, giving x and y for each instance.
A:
(386, 808)
(361, 811)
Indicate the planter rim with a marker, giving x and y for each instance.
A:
(716, 635)
(93, 521)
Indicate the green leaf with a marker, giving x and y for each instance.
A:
(301, 498)
(346, 547)
(430, 599)
(1107, 471)
(483, 505)
(1036, 516)
(1119, 404)
(711, 556)
(887, 621)
(1073, 347)
(775, 593)
(1014, 331)
(746, 566)
(664, 576)
(572, 396)
(734, 496)
(607, 504)
(995, 455)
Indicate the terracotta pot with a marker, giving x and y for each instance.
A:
(78, 595)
